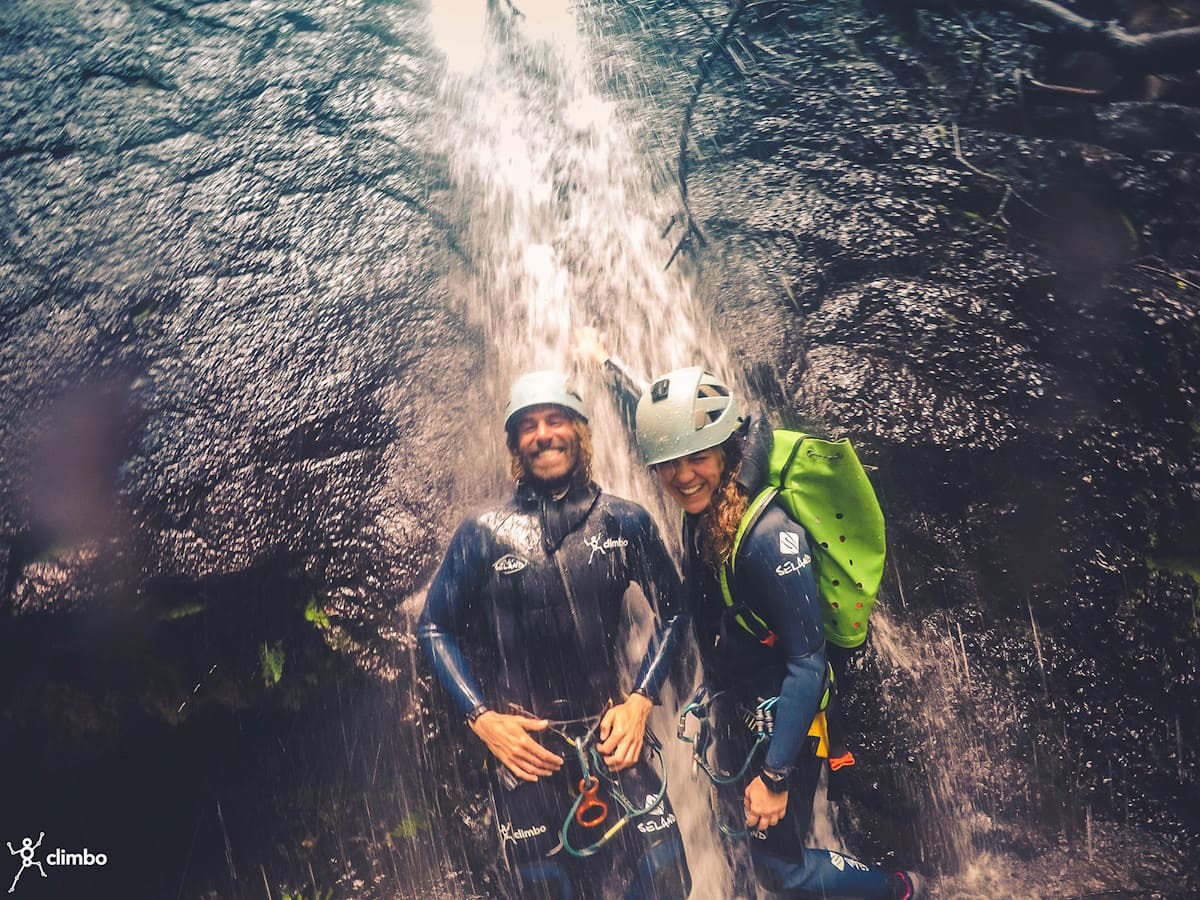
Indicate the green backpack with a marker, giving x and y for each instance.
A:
(821, 485)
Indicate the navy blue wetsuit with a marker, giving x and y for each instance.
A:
(526, 613)
(774, 567)
(773, 576)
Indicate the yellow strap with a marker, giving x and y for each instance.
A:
(820, 730)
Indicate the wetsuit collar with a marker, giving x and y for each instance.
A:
(560, 513)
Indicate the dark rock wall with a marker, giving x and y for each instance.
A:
(228, 354)
(218, 216)
(996, 294)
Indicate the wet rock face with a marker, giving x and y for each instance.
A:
(997, 298)
(217, 216)
(228, 362)
(231, 372)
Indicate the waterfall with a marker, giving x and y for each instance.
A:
(563, 228)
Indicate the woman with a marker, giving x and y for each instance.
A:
(711, 459)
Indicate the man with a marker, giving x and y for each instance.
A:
(523, 625)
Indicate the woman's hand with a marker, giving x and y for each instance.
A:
(622, 731)
(764, 809)
(508, 739)
(589, 345)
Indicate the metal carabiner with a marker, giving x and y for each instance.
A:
(691, 710)
(592, 811)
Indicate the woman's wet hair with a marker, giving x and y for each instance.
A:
(583, 463)
(718, 523)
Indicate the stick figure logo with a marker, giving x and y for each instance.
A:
(26, 851)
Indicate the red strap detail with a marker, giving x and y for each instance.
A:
(770, 640)
(846, 759)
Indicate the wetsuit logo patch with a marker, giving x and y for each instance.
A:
(509, 564)
(794, 565)
(602, 547)
(789, 543)
(662, 821)
(840, 862)
(512, 835)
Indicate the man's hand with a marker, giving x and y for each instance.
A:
(621, 732)
(764, 809)
(508, 739)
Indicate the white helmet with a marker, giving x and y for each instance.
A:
(684, 412)
(539, 388)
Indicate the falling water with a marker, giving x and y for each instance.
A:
(562, 227)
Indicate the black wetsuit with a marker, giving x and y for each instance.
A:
(529, 599)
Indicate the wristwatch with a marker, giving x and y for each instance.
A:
(776, 782)
(477, 712)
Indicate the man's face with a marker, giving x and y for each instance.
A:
(546, 442)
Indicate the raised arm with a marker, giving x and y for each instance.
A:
(626, 385)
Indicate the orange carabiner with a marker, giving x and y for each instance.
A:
(592, 811)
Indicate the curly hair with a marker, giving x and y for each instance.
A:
(719, 521)
(582, 475)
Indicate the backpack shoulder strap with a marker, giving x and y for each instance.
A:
(750, 518)
(758, 628)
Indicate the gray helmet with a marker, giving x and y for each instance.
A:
(538, 388)
(684, 412)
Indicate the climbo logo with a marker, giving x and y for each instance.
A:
(508, 833)
(59, 857)
(602, 547)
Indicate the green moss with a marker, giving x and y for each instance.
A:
(272, 662)
(182, 611)
(315, 614)
(410, 827)
(1176, 565)
(1183, 567)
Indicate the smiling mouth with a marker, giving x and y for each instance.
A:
(689, 491)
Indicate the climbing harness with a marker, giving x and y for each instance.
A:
(589, 811)
(761, 722)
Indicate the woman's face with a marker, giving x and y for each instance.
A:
(692, 480)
